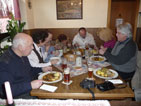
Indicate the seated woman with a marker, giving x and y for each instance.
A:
(49, 50)
(106, 35)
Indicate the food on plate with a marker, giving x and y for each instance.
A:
(51, 76)
(105, 72)
(98, 58)
(77, 68)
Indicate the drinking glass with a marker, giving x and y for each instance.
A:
(64, 64)
(67, 75)
(90, 72)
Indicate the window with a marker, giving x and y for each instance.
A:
(6, 7)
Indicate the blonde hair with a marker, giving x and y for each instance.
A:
(105, 34)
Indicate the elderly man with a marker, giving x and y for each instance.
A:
(83, 38)
(36, 57)
(15, 68)
(123, 56)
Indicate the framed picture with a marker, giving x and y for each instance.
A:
(69, 9)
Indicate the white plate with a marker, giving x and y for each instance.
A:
(113, 71)
(41, 77)
(59, 59)
(91, 58)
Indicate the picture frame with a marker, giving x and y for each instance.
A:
(69, 9)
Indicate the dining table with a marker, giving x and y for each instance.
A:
(75, 91)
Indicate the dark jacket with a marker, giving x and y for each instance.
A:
(123, 56)
(18, 72)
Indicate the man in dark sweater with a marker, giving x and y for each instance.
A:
(123, 56)
(15, 67)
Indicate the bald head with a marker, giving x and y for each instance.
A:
(22, 43)
(21, 39)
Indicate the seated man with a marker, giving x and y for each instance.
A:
(83, 39)
(123, 56)
(15, 68)
(36, 58)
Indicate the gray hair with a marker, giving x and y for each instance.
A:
(126, 29)
(19, 41)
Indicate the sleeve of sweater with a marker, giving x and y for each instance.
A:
(17, 88)
(124, 55)
(35, 70)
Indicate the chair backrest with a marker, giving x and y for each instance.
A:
(136, 80)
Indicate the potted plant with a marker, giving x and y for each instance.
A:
(14, 27)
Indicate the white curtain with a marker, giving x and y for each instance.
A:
(6, 6)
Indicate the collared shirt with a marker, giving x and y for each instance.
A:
(33, 58)
(89, 39)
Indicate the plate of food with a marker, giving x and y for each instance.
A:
(51, 77)
(97, 58)
(58, 59)
(105, 73)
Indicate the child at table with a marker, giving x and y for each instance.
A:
(63, 42)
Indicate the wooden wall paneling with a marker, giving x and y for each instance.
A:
(70, 32)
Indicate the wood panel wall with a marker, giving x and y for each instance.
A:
(70, 32)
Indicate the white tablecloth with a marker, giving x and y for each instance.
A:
(47, 102)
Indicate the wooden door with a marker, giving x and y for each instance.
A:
(126, 9)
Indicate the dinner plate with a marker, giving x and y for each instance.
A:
(42, 75)
(101, 57)
(113, 71)
(56, 58)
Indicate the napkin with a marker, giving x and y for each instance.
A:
(116, 81)
(48, 88)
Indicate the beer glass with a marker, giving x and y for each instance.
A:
(90, 72)
(67, 75)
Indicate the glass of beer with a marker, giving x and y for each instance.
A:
(64, 64)
(67, 75)
(90, 72)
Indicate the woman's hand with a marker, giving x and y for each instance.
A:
(45, 69)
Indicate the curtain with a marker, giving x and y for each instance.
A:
(7, 6)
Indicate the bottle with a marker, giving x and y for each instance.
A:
(78, 61)
(10, 101)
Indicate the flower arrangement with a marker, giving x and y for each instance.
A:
(13, 27)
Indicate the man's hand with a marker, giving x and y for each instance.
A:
(36, 84)
(45, 69)
(102, 50)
